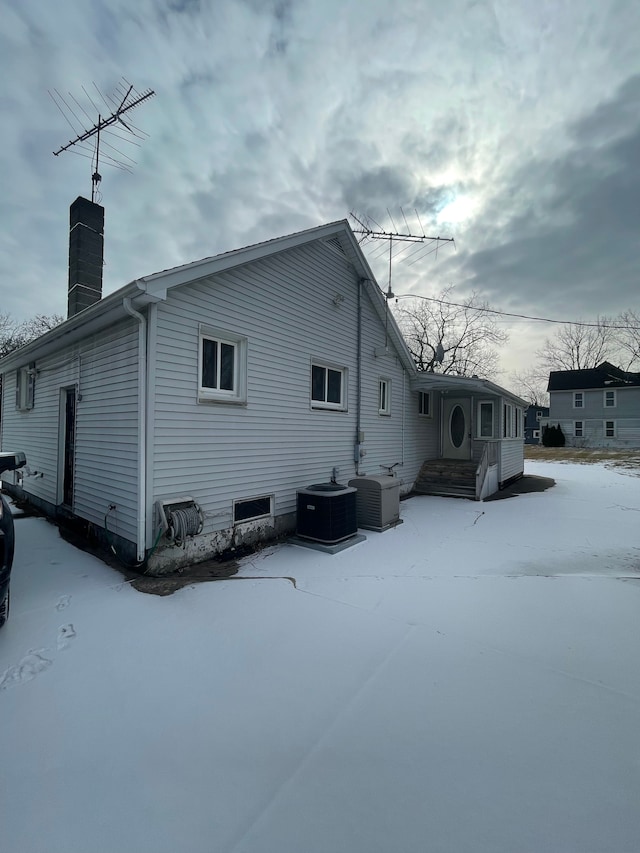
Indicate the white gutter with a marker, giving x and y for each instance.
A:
(142, 426)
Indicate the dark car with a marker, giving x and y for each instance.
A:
(8, 462)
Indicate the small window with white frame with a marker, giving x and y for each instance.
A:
(578, 400)
(536, 433)
(252, 509)
(222, 366)
(578, 429)
(424, 403)
(384, 396)
(609, 429)
(610, 399)
(25, 387)
(328, 387)
(485, 419)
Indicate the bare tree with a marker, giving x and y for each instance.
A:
(577, 347)
(628, 339)
(14, 335)
(531, 385)
(459, 339)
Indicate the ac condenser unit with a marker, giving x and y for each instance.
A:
(327, 513)
(378, 502)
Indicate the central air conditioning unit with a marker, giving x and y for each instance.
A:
(327, 513)
(378, 502)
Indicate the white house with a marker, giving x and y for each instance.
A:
(235, 381)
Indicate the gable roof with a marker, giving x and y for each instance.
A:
(154, 287)
(605, 375)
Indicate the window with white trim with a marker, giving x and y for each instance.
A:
(578, 400)
(512, 421)
(578, 429)
(536, 433)
(252, 509)
(610, 399)
(25, 387)
(328, 387)
(424, 403)
(609, 429)
(485, 419)
(222, 366)
(384, 397)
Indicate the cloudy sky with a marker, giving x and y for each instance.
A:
(513, 127)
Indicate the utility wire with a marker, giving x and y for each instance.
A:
(520, 316)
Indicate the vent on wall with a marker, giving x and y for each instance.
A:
(327, 513)
(335, 243)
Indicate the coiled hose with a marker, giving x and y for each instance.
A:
(184, 522)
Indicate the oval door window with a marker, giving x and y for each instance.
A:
(457, 426)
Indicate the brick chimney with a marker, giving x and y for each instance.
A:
(86, 247)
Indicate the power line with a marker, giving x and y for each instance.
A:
(519, 316)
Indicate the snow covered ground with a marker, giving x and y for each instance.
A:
(469, 681)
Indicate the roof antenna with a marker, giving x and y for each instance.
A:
(407, 237)
(125, 99)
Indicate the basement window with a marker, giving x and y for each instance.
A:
(252, 509)
(25, 387)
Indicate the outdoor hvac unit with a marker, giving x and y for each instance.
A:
(327, 513)
(378, 501)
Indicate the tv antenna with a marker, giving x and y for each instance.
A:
(378, 233)
(125, 99)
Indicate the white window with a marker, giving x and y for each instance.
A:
(610, 429)
(536, 433)
(25, 387)
(485, 419)
(512, 421)
(222, 367)
(609, 399)
(578, 429)
(328, 387)
(424, 403)
(538, 415)
(384, 397)
(578, 400)
(252, 509)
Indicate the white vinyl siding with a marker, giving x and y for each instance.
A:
(279, 441)
(103, 369)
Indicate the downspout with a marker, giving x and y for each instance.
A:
(142, 427)
(356, 454)
(404, 377)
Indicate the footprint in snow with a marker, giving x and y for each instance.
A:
(63, 602)
(31, 665)
(65, 635)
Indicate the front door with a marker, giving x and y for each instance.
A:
(456, 428)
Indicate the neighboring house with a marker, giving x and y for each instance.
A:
(233, 382)
(598, 407)
(532, 417)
